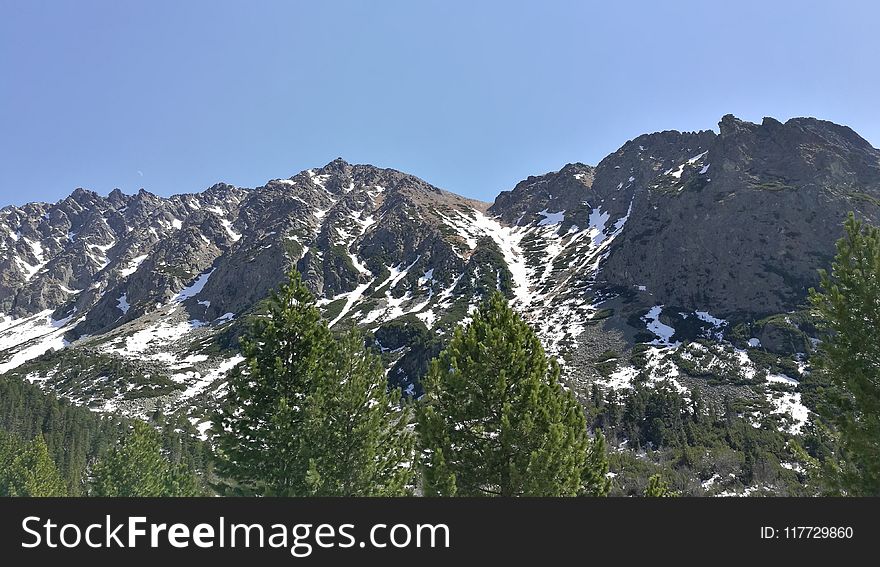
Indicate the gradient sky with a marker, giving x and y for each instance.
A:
(472, 96)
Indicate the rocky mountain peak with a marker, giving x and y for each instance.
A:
(539, 195)
(338, 165)
(831, 132)
(81, 193)
(117, 198)
(731, 125)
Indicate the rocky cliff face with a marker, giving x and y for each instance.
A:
(740, 225)
(133, 302)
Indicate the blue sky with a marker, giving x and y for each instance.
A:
(471, 96)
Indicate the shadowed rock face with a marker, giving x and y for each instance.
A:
(563, 190)
(744, 228)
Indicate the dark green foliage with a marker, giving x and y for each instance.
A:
(334, 308)
(774, 363)
(594, 477)
(98, 376)
(771, 185)
(606, 363)
(401, 332)
(608, 355)
(26, 469)
(687, 441)
(720, 367)
(848, 390)
(75, 437)
(454, 313)
(358, 441)
(864, 197)
(307, 414)
(73, 434)
(600, 315)
(292, 248)
(136, 466)
(419, 346)
(341, 259)
(496, 422)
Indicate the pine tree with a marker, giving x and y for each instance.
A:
(595, 480)
(259, 445)
(496, 421)
(26, 469)
(308, 414)
(848, 305)
(356, 429)
(658, 488)
(137, 467)
(698, 406)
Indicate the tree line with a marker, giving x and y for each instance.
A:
(52, 447)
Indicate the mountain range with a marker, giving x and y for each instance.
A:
(695, 250)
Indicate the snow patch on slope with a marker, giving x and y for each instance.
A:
(194, 288)
(28, 337)
(132, 266)
(551, 218)
(663, 331)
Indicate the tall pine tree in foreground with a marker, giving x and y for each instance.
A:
(137, 467)
(307, 414)
(358, 437)
(848, 304)
(496, 421)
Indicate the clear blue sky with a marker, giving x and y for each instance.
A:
(471, 96)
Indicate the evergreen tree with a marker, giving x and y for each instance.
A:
(697, 405)
(307, 414)
(848, 304)
(26, 469)
(595, 480)
(259, 445)
(355, 429)
(76, 436)
(497, 422)
(658, 488)
(137, 467)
